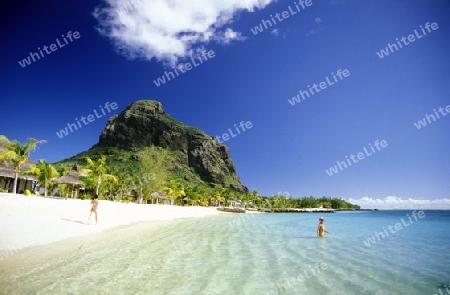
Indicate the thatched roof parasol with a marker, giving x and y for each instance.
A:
(68, 179)
(187, 199)
(160, 195)
(77, 173)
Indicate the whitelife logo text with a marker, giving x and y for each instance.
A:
(27, 61)
(411, 38)
(86, 120)
(183, 68)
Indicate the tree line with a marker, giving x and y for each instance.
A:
(146, 181)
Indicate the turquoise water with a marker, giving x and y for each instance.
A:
(250, 254)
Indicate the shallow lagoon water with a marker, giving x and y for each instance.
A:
(244, 254)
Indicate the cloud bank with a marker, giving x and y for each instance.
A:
(169, 30)
(398, 203)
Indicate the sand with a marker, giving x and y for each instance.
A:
(31, 221)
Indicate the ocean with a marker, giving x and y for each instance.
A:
(368, 252)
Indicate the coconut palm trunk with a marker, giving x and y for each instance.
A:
(16, 178)
(45, 188)
(97, 170)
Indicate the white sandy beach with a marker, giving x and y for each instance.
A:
(30, 221)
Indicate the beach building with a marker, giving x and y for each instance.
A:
(235, 202)
(7, 176)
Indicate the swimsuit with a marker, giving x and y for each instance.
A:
(94, 207)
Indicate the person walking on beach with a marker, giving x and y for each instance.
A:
(94, 205)
(321, 228)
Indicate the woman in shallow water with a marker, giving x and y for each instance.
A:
(94, 205)
(321, 228)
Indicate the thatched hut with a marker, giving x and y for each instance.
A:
(72, 179)
(158, 196)
(186, 200)
(7, 176)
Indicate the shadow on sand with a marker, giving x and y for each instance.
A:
(76, 221)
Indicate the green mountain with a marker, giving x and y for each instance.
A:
(144, 132)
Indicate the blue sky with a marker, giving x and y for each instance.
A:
(251, 77)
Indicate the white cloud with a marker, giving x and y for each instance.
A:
(168, 30)
(228, 36)
(313, 32)
(317, 27)
(275, 32)
(278, 33)
(398, 203)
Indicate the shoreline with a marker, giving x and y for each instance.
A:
(29, 221)
(33, 255)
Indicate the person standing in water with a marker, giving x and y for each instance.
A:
(94, 207)
(321, 228)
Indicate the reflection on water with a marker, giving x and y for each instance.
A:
(214, 255)
(322, 245)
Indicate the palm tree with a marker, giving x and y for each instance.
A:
(199, 194)
(45, 173)
(276, 201)
(254, 197)
(246, 199)
(64, 190)
(218, 195)
(16, 153)
(268, 204)
(177, 189)
(98, 172)
(63, 170)
(144, 184)
(121, 184)
(174, 190)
